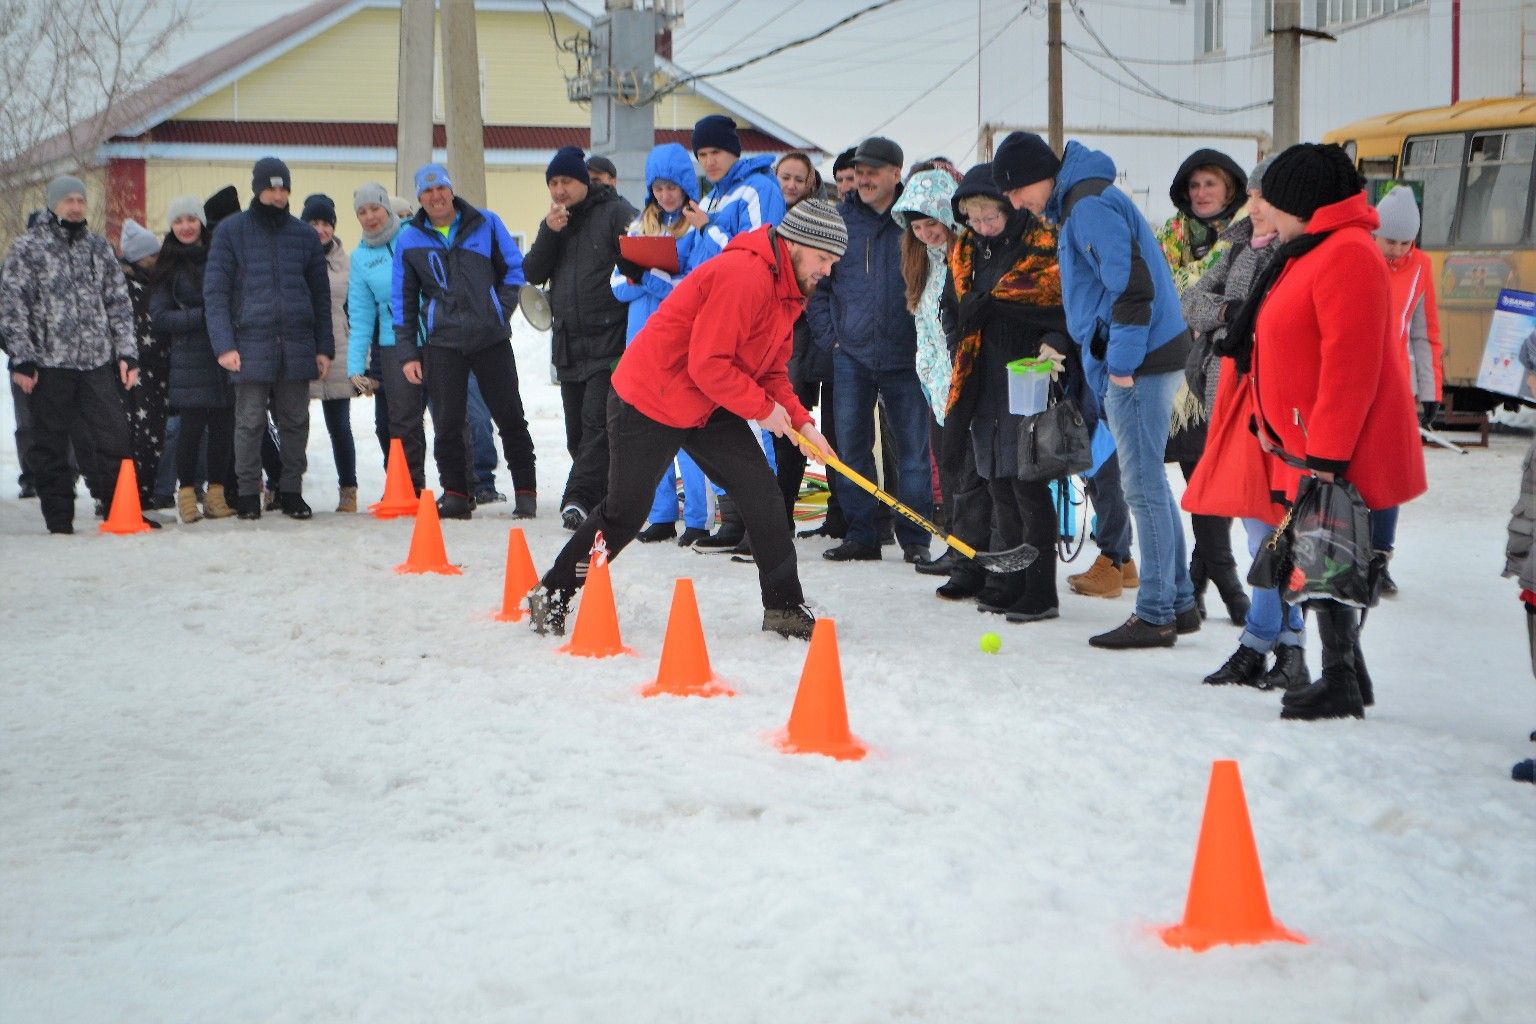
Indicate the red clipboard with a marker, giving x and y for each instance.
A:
(650, 251)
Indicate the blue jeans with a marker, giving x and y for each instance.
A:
(1138, 417)
(858, 388)
(1384, 528)
(1112, 529)
(482, 440)
(1264, 629)
(695, 494)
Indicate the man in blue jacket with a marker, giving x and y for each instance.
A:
(458, 269)
(267, 301)
(1123, 311)
(860, 314)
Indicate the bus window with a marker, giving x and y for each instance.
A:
(1498, 188)
(1435, 160)
(1379, 167)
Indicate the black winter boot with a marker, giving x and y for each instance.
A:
(248, 506)
(657, 532)
(966, 580)
(1367, 691)
(1388, 584)
(1290, 670)
(1244, 668)
(455, 505)
(1198, 578)
(1337, 693)
(1038, 602)
(1233, 594)
(1002, 589)
(732, 530)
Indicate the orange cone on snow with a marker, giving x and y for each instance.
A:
(597, 620)
(126, 515)
(521, 578)
(1227, 904)
(399, 493)
(427, 551)
(818, 723)
(685, 669)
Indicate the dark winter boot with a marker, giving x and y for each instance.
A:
(1289, 672)
(455, 505)
(547, 610)
(1244, 668)
(657, 532)
(1038, 602)
(1198, 578)
(691, 536)
(732, 530)
(966, 580)
(525, 504)
(294, 506)
(1002, 591)
(1367, 691)
(1233, 594)
(790, 623)
(248, 506)
(941, 566)
(1388, 584)
(1337, 693)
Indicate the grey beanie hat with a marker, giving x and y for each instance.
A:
(64, 185)
(138, 242)
(816, 223)
(1256, 176)
(370, 194)
(1399, 213)
(186, 206)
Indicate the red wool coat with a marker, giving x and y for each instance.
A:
(721, 339)
(1331, 381)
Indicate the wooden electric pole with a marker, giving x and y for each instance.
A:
(461, 101)
(1054, 113)
(413, 116)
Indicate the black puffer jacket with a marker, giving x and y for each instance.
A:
(268, 296)
(176, 319)
(577, 262)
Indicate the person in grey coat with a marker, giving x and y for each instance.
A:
(1520, 555)
(268, 309)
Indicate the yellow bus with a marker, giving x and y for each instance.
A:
(1473, 163)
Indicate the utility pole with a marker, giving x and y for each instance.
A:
(461, 101)
(1054, 113)
(621, 85)
(413, 116)
(1287, 35)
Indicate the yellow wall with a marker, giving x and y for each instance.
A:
(518, 195)
(349, 74)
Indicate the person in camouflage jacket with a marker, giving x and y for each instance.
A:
(68, 329)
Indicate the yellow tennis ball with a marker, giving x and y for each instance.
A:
(991, 643)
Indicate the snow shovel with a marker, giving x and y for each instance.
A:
(1012, 560)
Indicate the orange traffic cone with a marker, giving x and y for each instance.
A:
(399, 493)
(427, 551)
(1227, 903)
(126, 516)
(597, 620)
(521, 577)
(685, 670)
(818, 723)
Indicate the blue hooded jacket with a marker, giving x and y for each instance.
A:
(1121, 303)
(744, 200)
(669, 162)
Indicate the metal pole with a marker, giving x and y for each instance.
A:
(1054, 113)
(413, 133)
(1287, 39)
(461, 101)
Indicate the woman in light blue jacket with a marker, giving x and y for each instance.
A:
(670, 184)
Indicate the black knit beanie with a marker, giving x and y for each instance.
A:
(716, 131)
(270, 172)
(319, 207)
(1309, 176)
(569, 162)
(844, 159)
(1022, 159)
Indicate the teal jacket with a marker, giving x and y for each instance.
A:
(368, 291)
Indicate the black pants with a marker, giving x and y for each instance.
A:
(381, 423)
(62, 399)
(967, 497)
(789, 468)
(727, 450)
(1027, 515)
(220, 425)
(586, 439)
(495, 370)
(406, 402)
(82, 456)
(149, 405)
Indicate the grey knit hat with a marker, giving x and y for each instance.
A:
(1399, 213)
(64, 185)
(186, 206)
(1256, 176)
(138, 242)
(370, 194)
(816, 223)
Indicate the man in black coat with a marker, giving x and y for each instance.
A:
(575, 252)
(268, 305)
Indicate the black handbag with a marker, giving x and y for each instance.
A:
(1054, 443)
(1272, 563)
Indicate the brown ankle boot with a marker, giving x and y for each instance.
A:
(348, 501)
(1130, 579)
(186, 505)
(1103, 579)
(214, 505)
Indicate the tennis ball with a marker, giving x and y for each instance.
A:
(991, 643)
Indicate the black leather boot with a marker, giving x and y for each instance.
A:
(1233, 594)
(1038, 602)
(966, 580)
(1001, 591)
(1290, 671)
(1244, 668)
(1198, 578)
(1337, 693)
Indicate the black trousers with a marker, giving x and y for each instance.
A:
(82, 457)
(1027, 515)
(406, 404)
(967, 497)
(495, 370)
(727, 450)
(61, 400)
(586, 439)
(789, 468)
(220, 425)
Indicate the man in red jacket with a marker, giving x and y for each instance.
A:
(712, 357)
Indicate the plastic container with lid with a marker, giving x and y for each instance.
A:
(1029, 384)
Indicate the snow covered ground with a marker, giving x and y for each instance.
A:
(248, 773)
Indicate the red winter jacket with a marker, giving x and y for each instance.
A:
(1332, 383)
(722, 339)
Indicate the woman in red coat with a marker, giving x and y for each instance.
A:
(1330, 391)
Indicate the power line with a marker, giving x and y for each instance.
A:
(741, 39)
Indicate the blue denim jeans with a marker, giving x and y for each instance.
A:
(1264, 629)
(1112, 526)
(695, 494)
(1138, 417)
(482, 438)
(1384, 528)
(858, 388)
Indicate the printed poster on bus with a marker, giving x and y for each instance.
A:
(1514, 320)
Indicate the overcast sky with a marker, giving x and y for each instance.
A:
(834, 91)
